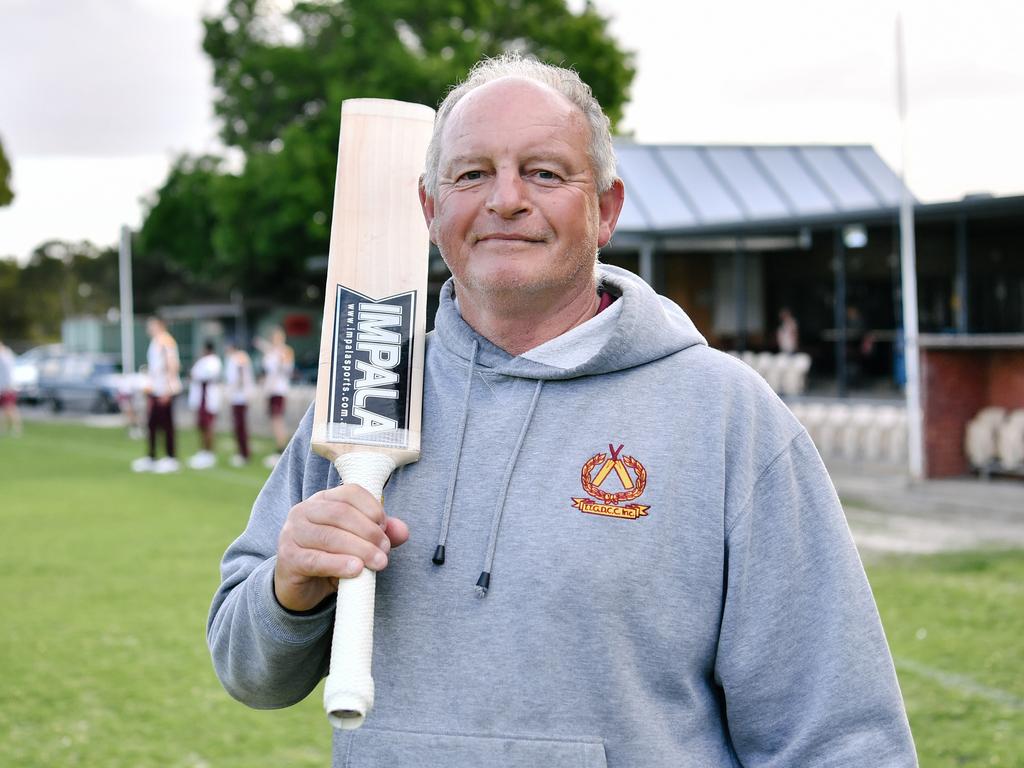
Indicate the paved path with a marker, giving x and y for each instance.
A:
(889, 513)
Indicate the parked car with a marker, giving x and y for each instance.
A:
(27, 367)
(81, 381)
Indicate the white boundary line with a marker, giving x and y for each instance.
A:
(961, 683)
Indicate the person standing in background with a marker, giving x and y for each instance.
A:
(788, 333)
(8, 394)
(239, 380)
(278, 365)
(131, 387)
(164, 366)
(204, 399)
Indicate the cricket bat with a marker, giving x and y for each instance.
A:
(369, 388)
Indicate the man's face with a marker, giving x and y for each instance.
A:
(517, 211)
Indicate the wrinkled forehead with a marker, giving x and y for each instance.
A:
(474, 110)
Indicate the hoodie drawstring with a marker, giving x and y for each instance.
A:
(446, 519)
(484, 582)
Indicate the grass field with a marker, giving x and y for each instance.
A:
(107, 578)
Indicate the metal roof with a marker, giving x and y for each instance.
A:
(679, 189)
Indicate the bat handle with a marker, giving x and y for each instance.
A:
(348, 692)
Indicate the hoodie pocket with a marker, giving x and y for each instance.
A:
(380, 748)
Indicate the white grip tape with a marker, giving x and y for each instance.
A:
(348, 692)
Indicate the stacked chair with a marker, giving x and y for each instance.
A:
(994, 440)
(786, 374)
(872, 433)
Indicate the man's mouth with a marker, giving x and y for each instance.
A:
(509, 237)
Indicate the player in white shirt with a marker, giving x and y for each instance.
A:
(204, 398)
(8, 394)
(278, 365)
(164, 383)
(239, 383)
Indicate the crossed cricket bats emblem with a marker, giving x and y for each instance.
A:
(608, 504)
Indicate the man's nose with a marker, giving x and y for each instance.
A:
(508, 195)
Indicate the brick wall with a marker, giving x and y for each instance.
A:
(955, 385)
(1006, 379)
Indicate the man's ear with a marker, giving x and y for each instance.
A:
(427, 206)
(610, 206)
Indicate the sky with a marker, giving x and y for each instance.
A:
(97, 96)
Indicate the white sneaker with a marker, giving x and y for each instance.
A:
(271, 461)
(166, 465)
(143, 464)
(202, 460)
(238, 461)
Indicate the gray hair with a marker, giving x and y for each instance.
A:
(567, 82)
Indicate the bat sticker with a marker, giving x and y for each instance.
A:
(371, 369)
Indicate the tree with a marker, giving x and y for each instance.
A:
(6, 193)
(35, 298)
(65, 279)
(275, 71)
(180, 221)
(281, 79)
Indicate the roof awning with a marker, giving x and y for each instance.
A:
(676, 190)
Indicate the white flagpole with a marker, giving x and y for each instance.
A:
(908, 265)
(127, 306)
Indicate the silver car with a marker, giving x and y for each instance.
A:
(81, 381)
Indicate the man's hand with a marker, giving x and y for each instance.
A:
(332, 535)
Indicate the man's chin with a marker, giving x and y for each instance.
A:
(508, 283)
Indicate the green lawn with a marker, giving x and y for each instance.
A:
(107, 578)
(955, 625)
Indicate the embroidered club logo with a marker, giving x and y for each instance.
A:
(596, 479)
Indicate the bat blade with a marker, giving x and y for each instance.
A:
(368, 410)
(370, 375)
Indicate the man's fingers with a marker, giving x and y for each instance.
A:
(336, 541)
(397, 531)
(345, 517)
(314, 563)
(358, 497)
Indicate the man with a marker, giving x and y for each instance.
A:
(8, 393)
(665, 576)
(204, 399)
(163, 366)
(239, 382)
(278, 366)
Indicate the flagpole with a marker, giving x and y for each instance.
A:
(124, 261)
(908, 269)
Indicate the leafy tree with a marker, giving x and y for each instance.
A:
(275, 71)
(180, 222)
(6, 194)
(281, 79)
(62, 280)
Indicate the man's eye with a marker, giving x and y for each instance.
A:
(546, 175)
(471, 176)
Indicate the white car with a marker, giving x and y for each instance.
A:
(27, 368)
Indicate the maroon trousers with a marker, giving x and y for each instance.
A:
(161, 419)
(241, 429)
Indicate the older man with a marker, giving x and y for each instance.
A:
(625, 550)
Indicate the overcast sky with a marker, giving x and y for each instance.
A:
(96, 96)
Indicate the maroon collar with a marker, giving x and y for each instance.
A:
(606, 300)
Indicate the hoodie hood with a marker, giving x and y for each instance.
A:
(647, 327)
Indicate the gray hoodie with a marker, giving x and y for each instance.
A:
(645, 564)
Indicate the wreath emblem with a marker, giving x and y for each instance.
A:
(632, 475)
